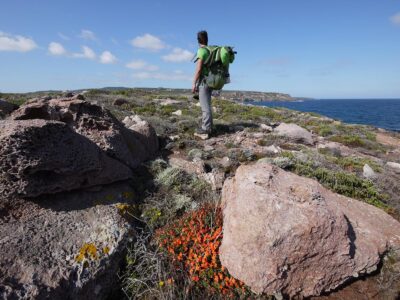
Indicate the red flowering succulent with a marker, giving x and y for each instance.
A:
(193, 241)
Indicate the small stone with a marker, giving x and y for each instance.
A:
(177, 113)
(273, 149)
(258, 135)
(266, 128)
(368, 172)
(208, 148)
(174, 137)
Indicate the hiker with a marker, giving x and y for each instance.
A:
(200, 85)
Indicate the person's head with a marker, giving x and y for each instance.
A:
(202, 37)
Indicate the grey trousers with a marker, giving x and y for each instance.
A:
(205, 103)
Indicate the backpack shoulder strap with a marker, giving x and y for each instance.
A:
(195, 58)
(213, 56)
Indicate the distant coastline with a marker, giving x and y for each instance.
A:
(381, 113)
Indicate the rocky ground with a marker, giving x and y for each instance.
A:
(310, 168)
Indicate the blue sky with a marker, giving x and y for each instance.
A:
(314, 48)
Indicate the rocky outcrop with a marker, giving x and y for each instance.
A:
(65, 246)
(55, 145)
(64, 198)
(93, 122)
(295, 132)
(40, 157)
(288, 235)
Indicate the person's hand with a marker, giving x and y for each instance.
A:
(194, 89)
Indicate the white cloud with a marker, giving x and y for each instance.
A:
(63, 36)
(86, 53)
(107, 58)
(178, 55)
(16, 43)
(87, 35)
(56, 49)
(174, 76)
(149, 42)
(141, 65)
(395, 19)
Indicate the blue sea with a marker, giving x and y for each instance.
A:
(383, 113)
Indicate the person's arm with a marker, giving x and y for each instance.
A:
(197, 74)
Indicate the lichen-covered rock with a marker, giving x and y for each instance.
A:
(39, 157)
(285, 234)
(95, 123)
(295, 132)
(65, 246)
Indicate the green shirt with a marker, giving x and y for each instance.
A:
(203, 54)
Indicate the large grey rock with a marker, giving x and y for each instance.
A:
(39, 157)
(93, 122)
(285, 234)
(142, 131)
(64, 246)
(294, 132)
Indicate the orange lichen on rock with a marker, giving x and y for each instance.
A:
(87, 251)
(194, 241)
(106, 250)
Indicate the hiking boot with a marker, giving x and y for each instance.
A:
(202, 134)
(202, 131)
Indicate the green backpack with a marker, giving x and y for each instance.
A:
(218, 65)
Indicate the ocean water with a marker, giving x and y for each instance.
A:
(383, 113)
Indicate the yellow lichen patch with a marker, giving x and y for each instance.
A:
(106, 250)
(88, 251)
(123, 208)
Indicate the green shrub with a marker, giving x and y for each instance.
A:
(343, 183)
(348, 140)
